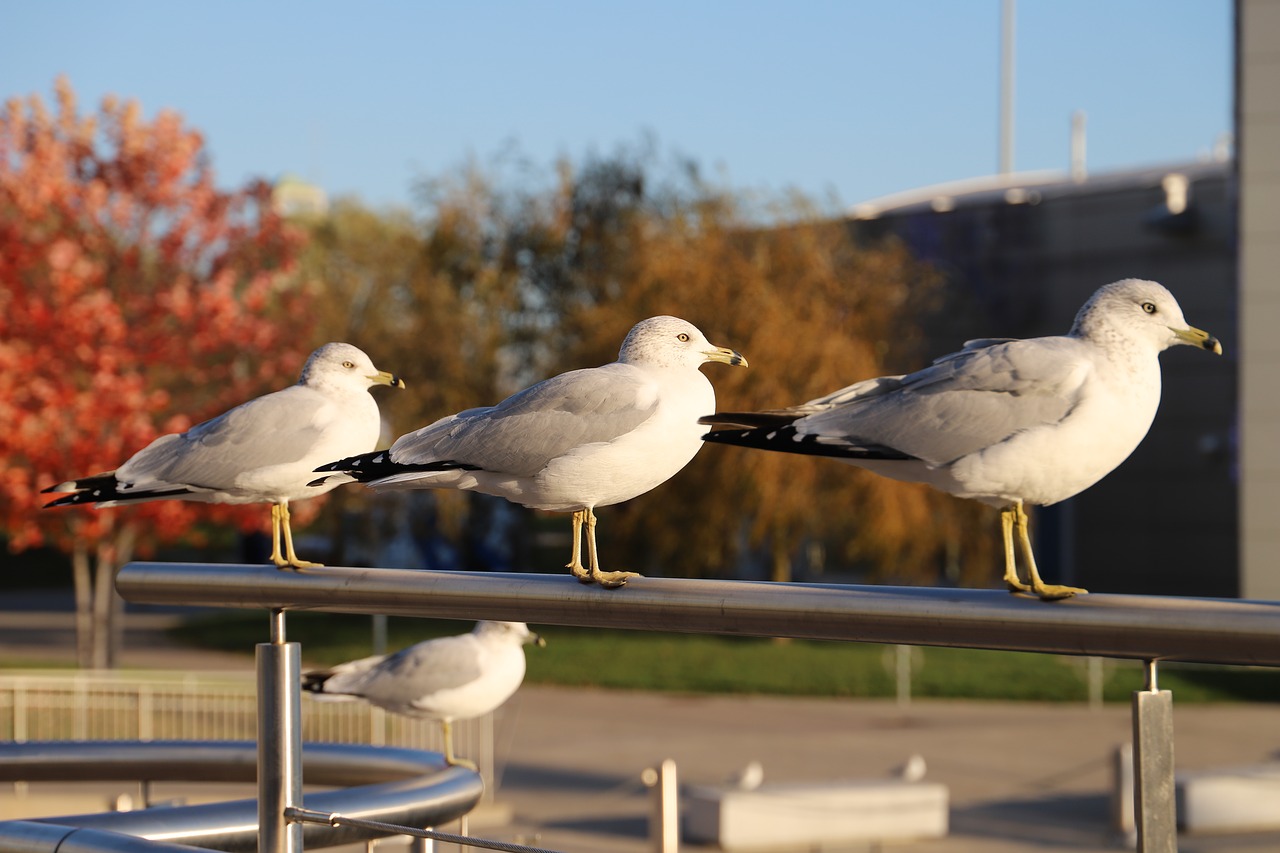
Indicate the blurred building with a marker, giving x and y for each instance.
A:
(1196, 509)
(1025, 251)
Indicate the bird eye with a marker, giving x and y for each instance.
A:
(348, 364)
(1149, 307)
(682, 337)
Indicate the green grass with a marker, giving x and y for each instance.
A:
(633, 660)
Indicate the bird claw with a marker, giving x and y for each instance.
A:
(580, 572)
(296, 564)
(613, 580)
(1056, 592)
(455, 761)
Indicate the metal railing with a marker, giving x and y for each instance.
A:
(112, 706)
(409, 785)
(1146, 628)
(1137, 627)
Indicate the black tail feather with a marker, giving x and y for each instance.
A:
(749, 419)
(102, 488)
(368, 467)
(313, 682)
(785, 439)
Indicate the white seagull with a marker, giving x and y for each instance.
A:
(1006, 422)
(262, 451)
(444, 679)
(571, 443)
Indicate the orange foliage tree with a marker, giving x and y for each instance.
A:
(136, 299)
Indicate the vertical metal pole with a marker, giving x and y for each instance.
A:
(1006, 85)
(902, 674)
(1095, 675)
(1154, 805)
(279, 740)
(664, 822)
(1079, 146)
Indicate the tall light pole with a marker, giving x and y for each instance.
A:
(1007, 9)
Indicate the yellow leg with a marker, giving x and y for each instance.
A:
(449, 757)
(575, 561)
(1046, 591)
(276, 556)
(288, 542)
(608, 580)
(1011, 578)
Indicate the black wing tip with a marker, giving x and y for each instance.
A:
(785, 439)
(346, 465)
(748, 419)
(91, 495)
(87, 490)
(362, 468)
(368, 467)
(69, 500)
(313, 682)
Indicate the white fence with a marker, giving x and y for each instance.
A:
(76, 705)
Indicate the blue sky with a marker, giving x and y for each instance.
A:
(843, 101)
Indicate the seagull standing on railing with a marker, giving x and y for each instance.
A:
(445, 679)
(583, 439)
(262, 451)
(1006, 422)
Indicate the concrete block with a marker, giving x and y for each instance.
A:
(811, 816)
(1232, 799)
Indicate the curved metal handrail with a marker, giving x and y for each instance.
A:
(27, 836)
(392, 785)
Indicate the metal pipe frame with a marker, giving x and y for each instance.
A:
(25, 836)
(402, 786)
(1140, 627)
(279, 670)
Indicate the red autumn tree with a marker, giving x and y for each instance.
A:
(136, 299)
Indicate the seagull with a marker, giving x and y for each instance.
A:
(444, 679)
(571, 443)
(746, 778)
(911, 770)
(1003, 421)
(262, 451)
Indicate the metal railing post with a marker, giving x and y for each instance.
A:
(279, 740)
(664, 820)
(1154, 793)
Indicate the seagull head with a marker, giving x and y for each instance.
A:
(671, 342)
(1139, 311)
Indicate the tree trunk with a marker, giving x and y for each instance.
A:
(125, 541)
(781, 569)
(103, 590)
(114, 549)
(84, 603)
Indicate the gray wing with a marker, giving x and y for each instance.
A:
(274, 429)
(420, 670)
(964, 402)
(884, 384)
(544, 421)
